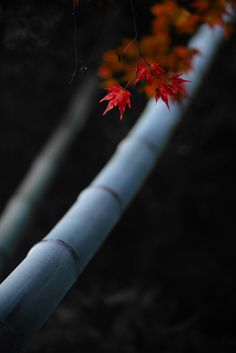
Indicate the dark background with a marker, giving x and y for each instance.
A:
(165, 279)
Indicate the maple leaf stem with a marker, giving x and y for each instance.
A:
(130, 79)
(127, 47)
(148, 64)
(138, 54)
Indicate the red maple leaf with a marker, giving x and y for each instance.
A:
(171, 88)
(147, 72)
(118, 97)
(164, 92)
(178, 86)
(144, 73)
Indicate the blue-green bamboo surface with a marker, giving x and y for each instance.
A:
(33, 290)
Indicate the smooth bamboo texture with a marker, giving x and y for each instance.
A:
(33, 290)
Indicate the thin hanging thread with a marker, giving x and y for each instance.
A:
(136, 36)
(76, 45)
(135, 40)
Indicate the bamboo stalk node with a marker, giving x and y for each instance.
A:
(115, 195)
(66, 246)
(143, 140)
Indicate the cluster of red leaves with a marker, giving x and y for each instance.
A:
(160, 59)
(165, 86)
(160, 83)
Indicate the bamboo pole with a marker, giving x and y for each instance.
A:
(34, 289)
(22, 205)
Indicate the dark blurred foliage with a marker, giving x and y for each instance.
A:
(164, 281)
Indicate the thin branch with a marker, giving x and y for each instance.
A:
(75, 41)
(139, 55)
(135, 29)
(134, 20)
